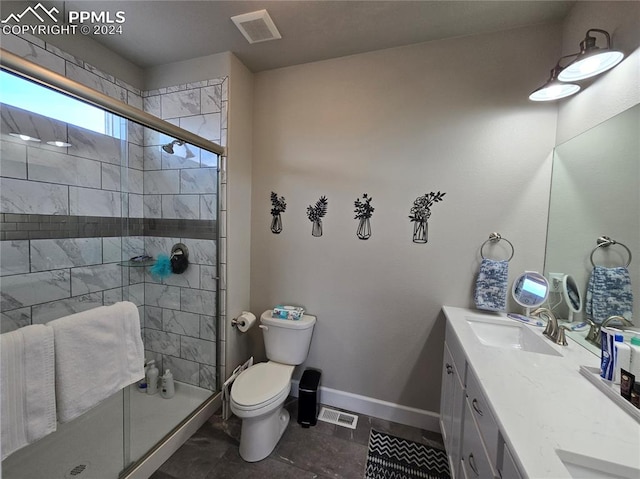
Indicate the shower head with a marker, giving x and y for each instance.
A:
(169, 146)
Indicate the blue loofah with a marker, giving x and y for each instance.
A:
(162, 267)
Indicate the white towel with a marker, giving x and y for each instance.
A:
(27, 387)
(98, 352)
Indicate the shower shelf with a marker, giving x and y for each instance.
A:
(138, 264)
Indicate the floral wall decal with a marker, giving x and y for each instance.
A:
(420, 213)
(363, 212)
(315, 213)
(278, 206)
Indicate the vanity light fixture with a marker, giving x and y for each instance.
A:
(554, 89)
(59, 144)
(24, 137)
(591, 60)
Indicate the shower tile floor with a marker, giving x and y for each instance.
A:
(322, 452)
(91, 446)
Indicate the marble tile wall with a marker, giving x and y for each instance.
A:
(89, 178)
(172, 194)
(180, 313)
(181, 323)
(50, 278)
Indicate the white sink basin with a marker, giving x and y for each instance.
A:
(585, 467)
(510, 335)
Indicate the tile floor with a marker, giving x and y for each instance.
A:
(322, 452)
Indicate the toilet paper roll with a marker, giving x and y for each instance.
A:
(245, 321)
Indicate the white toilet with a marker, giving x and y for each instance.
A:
(259, 392)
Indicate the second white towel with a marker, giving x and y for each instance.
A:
(27, 386)
(98, 352)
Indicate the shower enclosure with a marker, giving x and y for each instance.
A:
(83, 191)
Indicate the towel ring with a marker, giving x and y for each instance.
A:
(495, 238)
(605, 242)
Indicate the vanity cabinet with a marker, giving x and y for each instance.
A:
(452, 402)
(470, 431)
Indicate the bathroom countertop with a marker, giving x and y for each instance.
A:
(542, 403)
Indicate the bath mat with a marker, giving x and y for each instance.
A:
(391, 457)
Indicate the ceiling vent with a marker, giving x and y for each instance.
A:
(257, 26)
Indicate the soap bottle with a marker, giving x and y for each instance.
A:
(152, 378)
(142, 384)
(621, 357)
(167, 390)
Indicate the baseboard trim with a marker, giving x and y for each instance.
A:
(423, 419)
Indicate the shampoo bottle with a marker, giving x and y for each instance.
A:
(167, 389)
(152, 378)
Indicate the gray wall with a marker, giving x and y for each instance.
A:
(449, 116)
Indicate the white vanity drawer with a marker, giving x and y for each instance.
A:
(481, 412)
(475, 461)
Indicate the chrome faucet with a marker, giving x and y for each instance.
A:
(594, 329)
(553, 331)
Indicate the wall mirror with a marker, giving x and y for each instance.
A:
(595, 191)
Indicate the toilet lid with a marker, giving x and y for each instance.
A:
(261, 383)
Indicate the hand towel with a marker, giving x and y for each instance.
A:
(609, 294)
(98, 352)
(492, 285)
(27, 389)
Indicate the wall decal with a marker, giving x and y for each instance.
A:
(420, 213)
(363, 212)
(278, 206)
(315, 213)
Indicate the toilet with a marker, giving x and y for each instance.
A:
(259, 392)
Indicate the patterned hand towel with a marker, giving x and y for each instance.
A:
(609, 294)
(492, 285)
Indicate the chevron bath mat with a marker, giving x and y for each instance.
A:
(391, 457)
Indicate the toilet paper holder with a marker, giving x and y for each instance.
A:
(244, 320)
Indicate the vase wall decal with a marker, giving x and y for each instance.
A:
(276, 224)
(364, 229)
(315, 213)
(316, 229)
(363, 211)
(421, 231)
(420, 214)
(278, 206)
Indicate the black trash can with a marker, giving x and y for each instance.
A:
(308, 400)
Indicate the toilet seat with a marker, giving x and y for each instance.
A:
(261, 385)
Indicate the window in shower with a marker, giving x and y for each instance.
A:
(26, 95)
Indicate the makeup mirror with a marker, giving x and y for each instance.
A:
(530, 290)
(571, 296)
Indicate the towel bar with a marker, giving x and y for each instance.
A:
(605, 242)
(495, 238)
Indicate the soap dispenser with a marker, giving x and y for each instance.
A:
(167, 389)
(152, 378)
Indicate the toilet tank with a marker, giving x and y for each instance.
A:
(287, 341)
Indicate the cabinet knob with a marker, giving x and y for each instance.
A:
(476, 408)
(449, 369)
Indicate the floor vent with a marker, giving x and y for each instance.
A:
(77, 471)
(338, 417)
